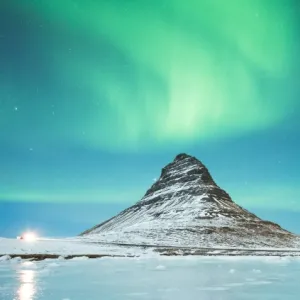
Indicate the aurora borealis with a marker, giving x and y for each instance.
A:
(96, 96)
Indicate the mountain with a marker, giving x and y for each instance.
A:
(185, 207)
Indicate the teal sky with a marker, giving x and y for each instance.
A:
(97, 96)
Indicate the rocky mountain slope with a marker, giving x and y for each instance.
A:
(185, 207)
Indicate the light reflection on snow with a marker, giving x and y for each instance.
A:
(27, 287)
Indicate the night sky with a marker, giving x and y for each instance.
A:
(97, 96)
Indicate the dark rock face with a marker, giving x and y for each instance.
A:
(185, 207)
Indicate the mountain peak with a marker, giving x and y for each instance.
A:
(182, 156)
(186, 207)
(185, 168)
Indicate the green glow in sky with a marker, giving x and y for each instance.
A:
(191, 70)
(96, 96)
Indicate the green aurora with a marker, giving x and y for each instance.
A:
(177, 71)
(97, 96)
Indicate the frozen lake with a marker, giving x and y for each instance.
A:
(187, 278)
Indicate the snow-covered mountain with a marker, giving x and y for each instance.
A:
(185, 207)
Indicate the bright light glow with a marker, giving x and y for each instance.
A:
(29, 236)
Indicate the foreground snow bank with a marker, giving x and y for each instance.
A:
(64, 247)
(72, 248)
(5, 258)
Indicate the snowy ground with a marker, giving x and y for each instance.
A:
(64, 247)
(174, 278)
(88, 247)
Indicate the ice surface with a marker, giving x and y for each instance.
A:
(189, 278)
